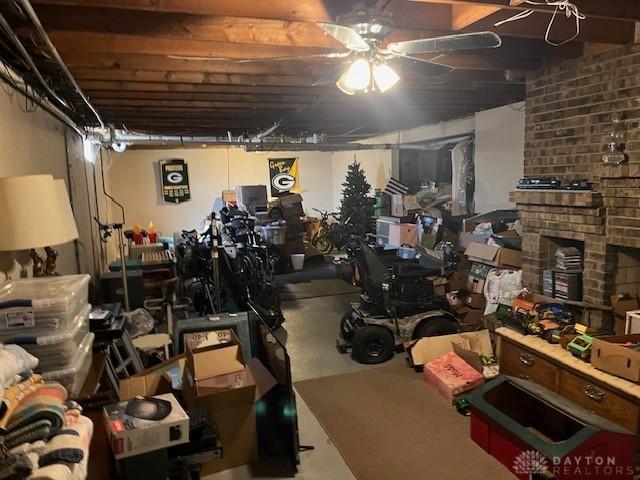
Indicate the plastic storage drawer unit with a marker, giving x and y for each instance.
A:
(41, 304)
(73, 376)
(56, 350)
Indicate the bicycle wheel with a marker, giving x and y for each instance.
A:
(324, 245)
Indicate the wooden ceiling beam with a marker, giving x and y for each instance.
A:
(308, 10)
(624, 10)
(534, 26)
(463, 16)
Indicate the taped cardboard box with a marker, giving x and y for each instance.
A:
(477, 277)
(494, 256)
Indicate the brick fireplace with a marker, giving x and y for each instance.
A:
(569, 113)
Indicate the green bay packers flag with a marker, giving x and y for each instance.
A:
(283, 173)
(175, 180)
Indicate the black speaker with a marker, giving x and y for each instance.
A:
(111, 288)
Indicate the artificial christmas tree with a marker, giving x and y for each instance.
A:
(356, 209)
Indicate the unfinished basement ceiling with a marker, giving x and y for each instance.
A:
(123, 55)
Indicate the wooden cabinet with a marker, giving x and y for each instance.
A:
(533, 359)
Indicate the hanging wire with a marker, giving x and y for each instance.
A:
(562, 6)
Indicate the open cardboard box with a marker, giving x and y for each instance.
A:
(426, 349)
(609, 355)
(152, 381)
(494, 256)
(217, 378)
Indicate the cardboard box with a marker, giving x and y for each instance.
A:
(477, 277)
(608, 355)
(217, 379)
(130, 435)
(426, 349)
(621, 305)
(403, 234)
(472, 351)
(402, 205)
(251, 195)
(494, 256)
(473, 300)
(450, 376)
(152, 381)
(229, 196)
(290, 200)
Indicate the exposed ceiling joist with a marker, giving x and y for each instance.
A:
(625, 10)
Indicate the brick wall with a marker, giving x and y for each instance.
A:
(569, 109)
(569, 112)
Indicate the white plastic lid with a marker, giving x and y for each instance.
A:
(44, 291)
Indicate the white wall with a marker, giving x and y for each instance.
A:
(499, 150)
(375, 163)
(33, 143)
(499, 156)
(134, 180)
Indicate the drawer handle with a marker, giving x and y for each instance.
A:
(524, 377)
(594, 393)
(527, 359)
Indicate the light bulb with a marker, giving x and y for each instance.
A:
(357, 77)
(384, 76)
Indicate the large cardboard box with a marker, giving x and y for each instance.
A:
(130, 435)
(494, 256)
(403, 234)
(217, 379)
(473, 300)
(610, 355)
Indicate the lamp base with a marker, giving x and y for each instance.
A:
(42, 267)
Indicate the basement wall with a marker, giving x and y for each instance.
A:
(135, 180)
(499, 150)
(33, 143)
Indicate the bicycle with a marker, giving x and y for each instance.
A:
(322, 237)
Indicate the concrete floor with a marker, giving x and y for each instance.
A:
(312, 324)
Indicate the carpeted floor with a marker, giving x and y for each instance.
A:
(388, 424)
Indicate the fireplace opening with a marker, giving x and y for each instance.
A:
(563, 261)
(627, 271)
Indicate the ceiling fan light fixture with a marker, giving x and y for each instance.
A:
(384, 77)
(357, 77)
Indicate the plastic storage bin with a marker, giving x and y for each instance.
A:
(41, 304)
(57, 350)
(73, 376)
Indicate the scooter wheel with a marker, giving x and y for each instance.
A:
(372, 344)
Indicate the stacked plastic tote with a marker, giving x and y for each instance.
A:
(49, 317)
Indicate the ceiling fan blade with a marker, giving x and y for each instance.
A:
(346, 36)
(258, 60)
(449, 43)
(419, 66)
(331, 76)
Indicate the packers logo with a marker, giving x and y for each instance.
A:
(283, 182)
(174, 177)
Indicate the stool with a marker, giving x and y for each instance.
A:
(153, 341)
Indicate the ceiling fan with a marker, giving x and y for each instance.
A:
(369, 65)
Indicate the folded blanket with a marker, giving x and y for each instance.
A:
(14, 395)
(38, 415)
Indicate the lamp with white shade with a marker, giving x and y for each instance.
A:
(35, 212)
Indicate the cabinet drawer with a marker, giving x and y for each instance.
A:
(599, 400)
(521, 363)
